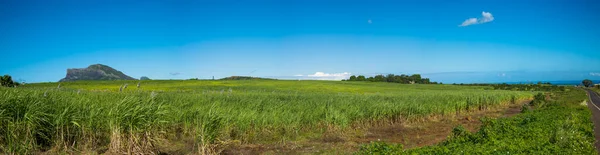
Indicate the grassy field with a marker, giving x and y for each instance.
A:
(97, 116)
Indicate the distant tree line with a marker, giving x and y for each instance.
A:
(6, 81)
(540, 86)
(404, 79)
(245, 78)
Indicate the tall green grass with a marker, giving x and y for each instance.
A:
(40, 117)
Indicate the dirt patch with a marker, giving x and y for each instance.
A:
(513, 110)
(246, 149)
(175, 146)
(331, 138)
(432, 132)
(411, 135)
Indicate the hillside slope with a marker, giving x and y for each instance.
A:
(95, 72)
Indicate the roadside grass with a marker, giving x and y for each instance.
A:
(96, 117)
(560, 126)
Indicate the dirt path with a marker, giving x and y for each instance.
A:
(411, 135)
(594, 105)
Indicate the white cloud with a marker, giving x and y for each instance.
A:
(321, 74)
(324, 76)
(502, 74)
(595, 74)
(469, 21)
(485, 17)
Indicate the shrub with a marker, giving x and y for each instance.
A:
(538, 99)
(525, 108)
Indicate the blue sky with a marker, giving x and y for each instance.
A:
(448, 41)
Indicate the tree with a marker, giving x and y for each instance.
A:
(379, 78)
(3, 80)
(361, 78)
(390, 78)
(416, 78)
(352, 78)
(371, 79)
(587, 82)
(425, 81)
(7, 81)
(403, 78)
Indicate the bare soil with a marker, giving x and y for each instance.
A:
(411, 134)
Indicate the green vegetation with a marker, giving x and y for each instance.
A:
(95, 116)
(404, 79)
(561, 126)
(7, 81)
(245, 78)
(587, 83)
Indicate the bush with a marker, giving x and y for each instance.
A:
(538, 100)
(525, 108)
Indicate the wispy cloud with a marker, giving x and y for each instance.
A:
(370, 21)
(469, 21)
(324, 76)
(174, 73)
(594, 74)
(485, 17)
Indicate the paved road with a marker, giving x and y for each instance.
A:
(594, 98)
(595, 108)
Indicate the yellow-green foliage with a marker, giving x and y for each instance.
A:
(97, 115)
